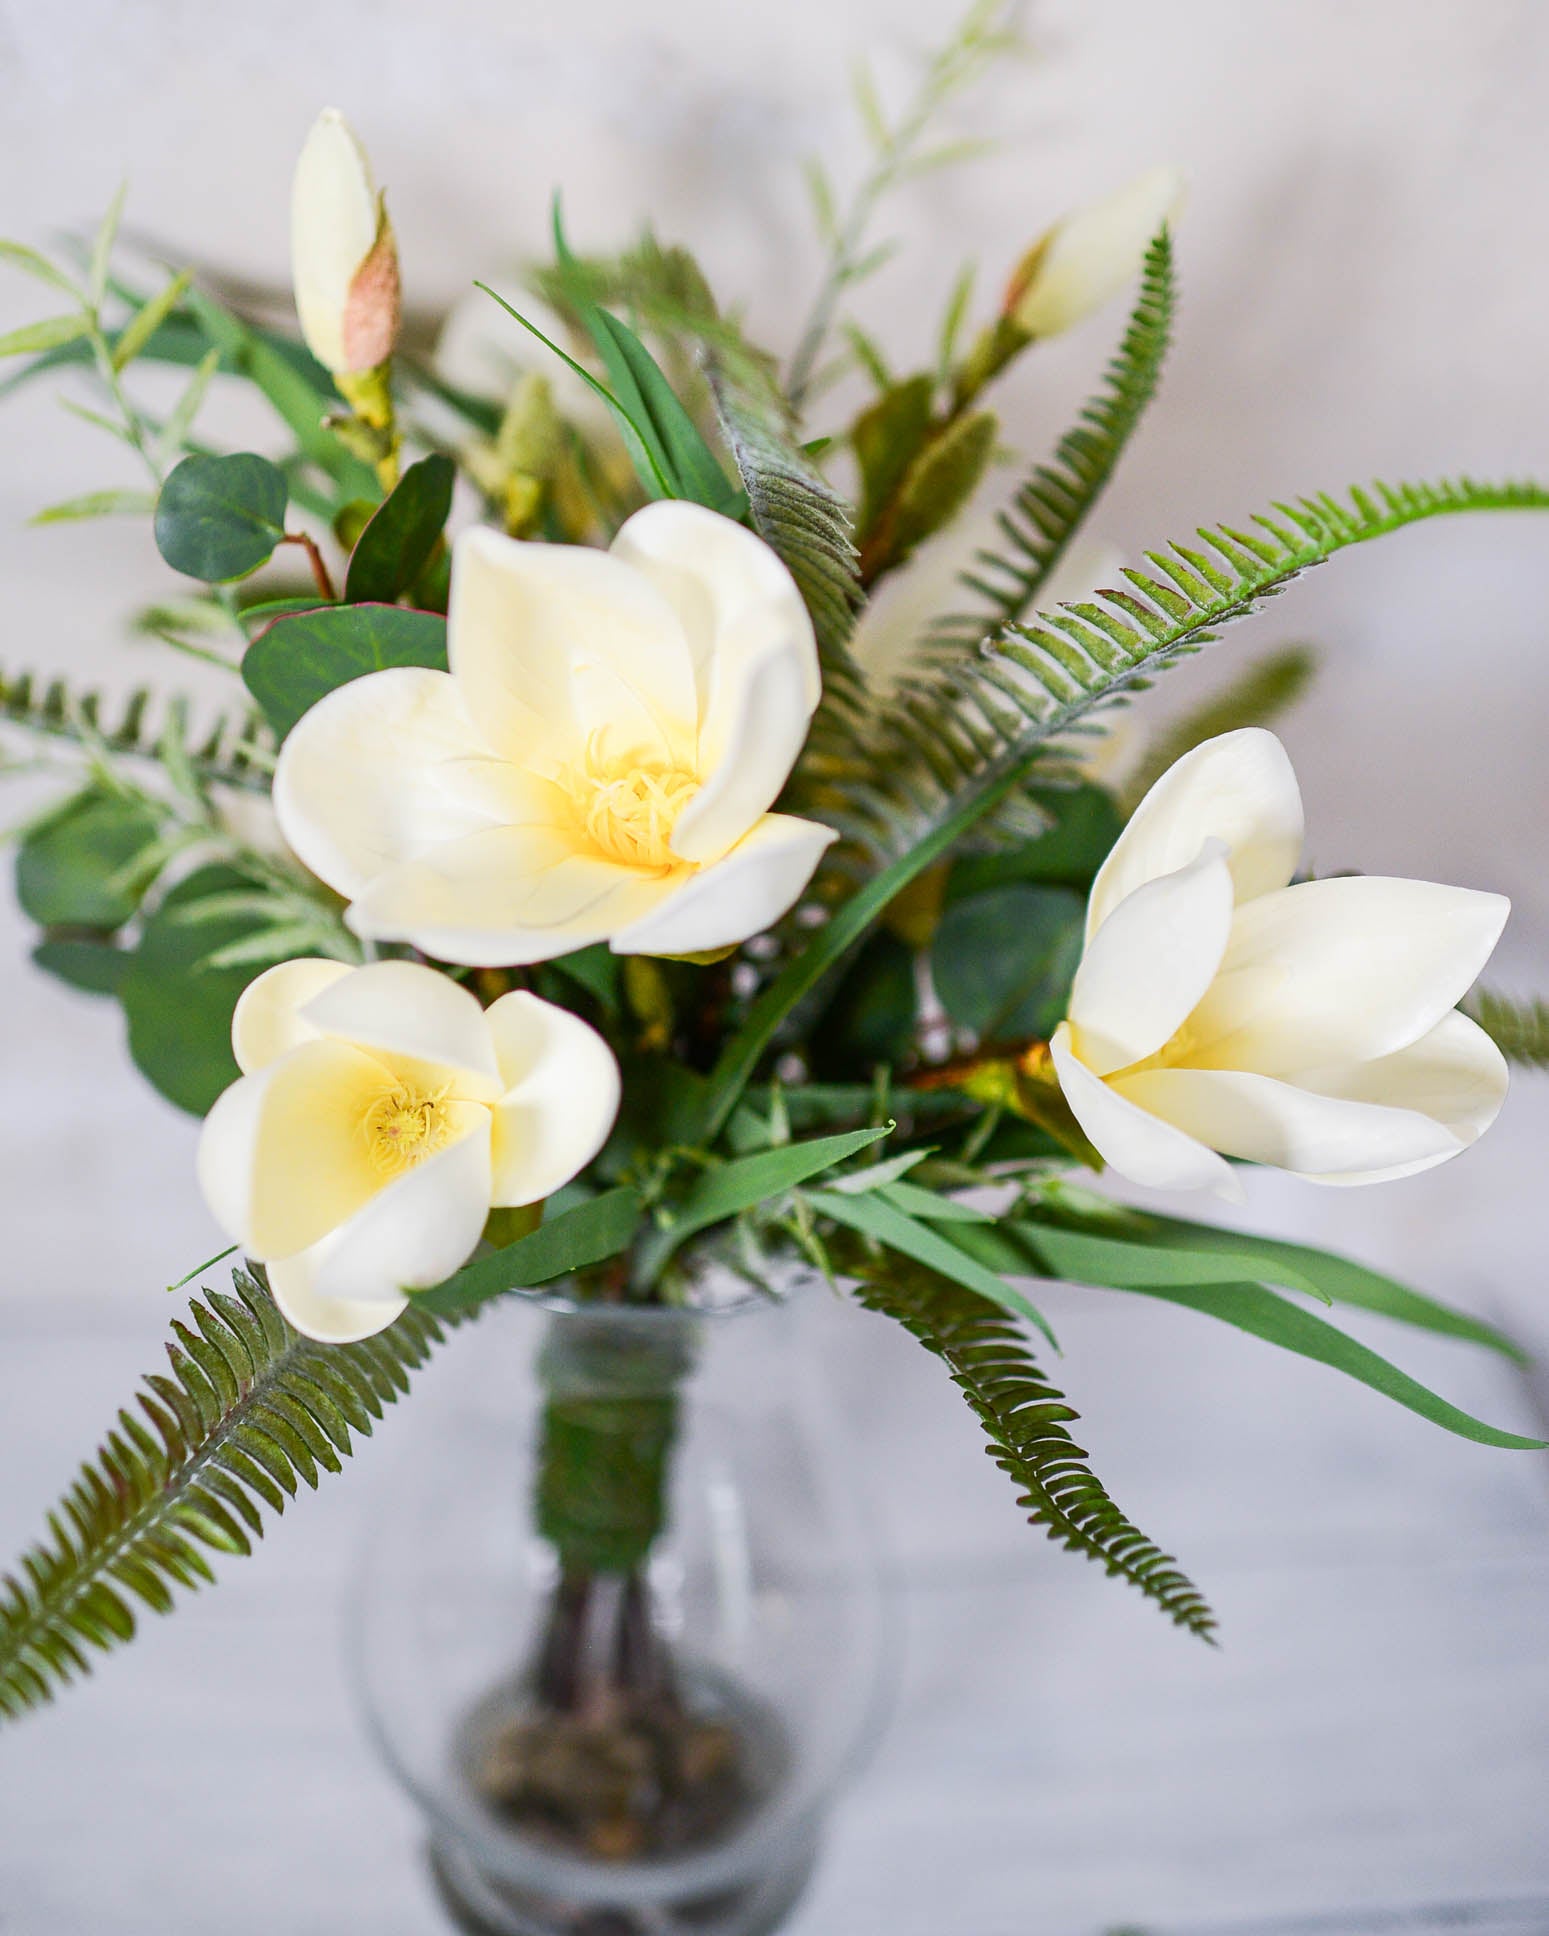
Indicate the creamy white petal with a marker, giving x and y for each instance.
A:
(418, 1230)
(410, 1010)
(1086, 259)
(720, 577)
(267, 1021)
(735, 897)
(330, 1320)
(1138, 1145)
(757, 725)
(1268, 1121)
(1342, 970)
(1150, 962)
(550, 643)
(355, 788)
(1455, 1074)
(282, 1159)
(1238, 788)
(505, 896)
(562, 1094)
(333, 227)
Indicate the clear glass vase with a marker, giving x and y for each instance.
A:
(621, 1627)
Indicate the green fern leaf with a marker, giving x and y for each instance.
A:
(1519, 1029)
(796, 511)
(1259, 696)
(231, 753)
(1025, 1418)
(959, 731)
(1051, 507)
(250, 1412)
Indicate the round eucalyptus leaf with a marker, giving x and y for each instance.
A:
(219, 518)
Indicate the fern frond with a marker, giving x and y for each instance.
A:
(796, 511)
(1051, 507)
(235, 753)
(1257, 698)
(1519, 1029)
(250, 1411)
(956, 732)
(1025, 1418)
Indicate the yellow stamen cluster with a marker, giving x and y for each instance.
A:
(629, 812)
(402, 1127)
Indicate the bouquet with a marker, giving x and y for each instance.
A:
(614, 881)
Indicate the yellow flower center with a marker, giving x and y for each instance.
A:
(404, 1126)
(629, 812)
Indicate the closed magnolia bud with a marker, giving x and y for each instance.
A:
(344, 260)
(1089, 256)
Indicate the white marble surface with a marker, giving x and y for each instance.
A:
(1366, 275)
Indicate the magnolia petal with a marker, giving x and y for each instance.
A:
(334, 221)
(1268, 1121)
(551, 643)
(758, 721)
(1341, 971)
(355, 787)
(1238, 788)
(418, 1230)
(1150, 962)
(1455, 1074)
(267, 1021)
(281, 1157)
(408, 1010)
(1135, 1143)
(562, 1094)
(1086, 259)
(737, 896)
(506, 896)
(719, 577)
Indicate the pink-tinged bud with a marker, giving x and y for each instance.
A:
(344, 259)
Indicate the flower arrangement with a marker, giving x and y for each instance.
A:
(614, 914)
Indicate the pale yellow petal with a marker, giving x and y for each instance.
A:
(755, 729)
(1139, 1145)
(405, 1009)
(738, 896)
(561, 1098)
(267, 1021)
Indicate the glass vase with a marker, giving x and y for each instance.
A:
(620, 1628)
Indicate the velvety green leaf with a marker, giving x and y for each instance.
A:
(1300, 1266)
(396, 544)
(574, 1240)
(940, 482)
(874, 1217)
(301, 659)
(886, 438)
(179, 1009)
(1002, 960)
(1085, 821)
(220, 518)
(1266, 1314)
(67, 866)
(50, 334)
(94, 967)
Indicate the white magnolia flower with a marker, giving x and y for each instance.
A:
(1218, 1009)
(598, 765)
(380, 1115)
(344, 260)
(1089, 256)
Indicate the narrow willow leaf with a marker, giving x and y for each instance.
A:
(303, 658)
(97, 504)
(174, 432)
(50, 334)
(884, 1222)
(1266, 1314)
(34, 264)
(575, 1240)
(143, 325)
(102, 246)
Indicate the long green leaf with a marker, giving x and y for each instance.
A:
(576, 1239)
(1080, 1257)
(873, 1216)
(1266, 1314)
(50, 334)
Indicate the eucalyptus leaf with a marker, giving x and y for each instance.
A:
(94, 967)
(219, 518)
(71, 867)
(1084, 823)
(589, 1234)
(303, 658)
(1003, 960)
(396, 544)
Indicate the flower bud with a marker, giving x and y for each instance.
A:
(344, 259)
(1090, 255)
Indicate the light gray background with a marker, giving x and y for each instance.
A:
(1364, 265)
